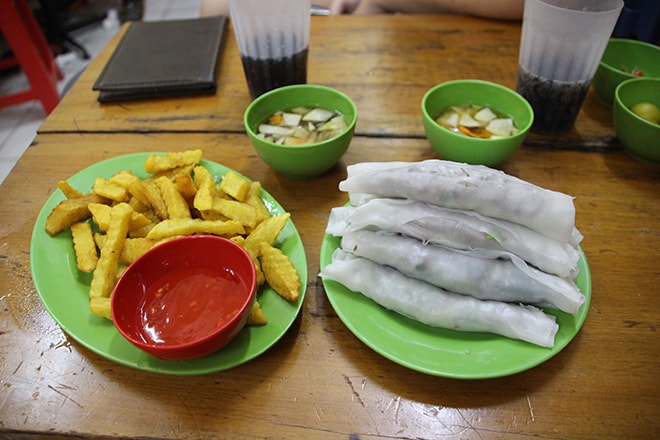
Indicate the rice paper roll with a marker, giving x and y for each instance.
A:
(474, 187)
(462, 230)
(482, 278)
(436, 307)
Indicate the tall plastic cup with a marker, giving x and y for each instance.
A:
(273, 41)
(561, 46)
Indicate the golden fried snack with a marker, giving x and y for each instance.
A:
(133, 247)
(235, 186)
(267, 231)
(279, 271)
(212, 215)
(137, 205)
(70, 211)
(101, 307)
(157, 163)
(124, 179)
(185, 185)
(142, 231)
(178, 198)
(234, 210)
(150, 196)
(240, 240)
(186, 169)
(254, 199)
(176, 205)
(68, 191)
(261, 278)
(104, 277)
(109, 190)
(257, 316)
(101, 216)
(85, 247)
(138, 221)
(205, 189)
(191, 226)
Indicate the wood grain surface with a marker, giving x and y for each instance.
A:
(319, 380)
(384, 63)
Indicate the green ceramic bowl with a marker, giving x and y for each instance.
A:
(461, 148)
(621, 58)
(300, 161)
(640, 138)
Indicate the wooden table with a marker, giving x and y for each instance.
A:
(320, 381)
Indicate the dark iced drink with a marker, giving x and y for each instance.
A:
(556, 103)
(267, 74)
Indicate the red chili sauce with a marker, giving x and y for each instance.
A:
(188, 305)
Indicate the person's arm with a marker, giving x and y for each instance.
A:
(214, 7)
(502, 9)
(221, 7)
(338, 6)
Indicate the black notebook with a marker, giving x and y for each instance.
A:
(164, 59)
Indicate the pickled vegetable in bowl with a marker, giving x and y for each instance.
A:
(476, 121)
(302, 126)
(491, 121)
(297, 158)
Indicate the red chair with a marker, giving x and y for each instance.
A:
(31, 53)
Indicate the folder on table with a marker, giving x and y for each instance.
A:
(164, 59)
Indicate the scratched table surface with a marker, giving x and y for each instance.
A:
(319, 380)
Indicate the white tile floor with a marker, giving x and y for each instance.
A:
(19, 123)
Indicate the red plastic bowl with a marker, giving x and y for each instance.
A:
(185, 298)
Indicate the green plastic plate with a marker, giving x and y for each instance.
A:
(64, 291)
(444, 352)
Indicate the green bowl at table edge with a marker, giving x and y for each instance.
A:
(640, 138)
(301, 161)
(624, 54)
(461, 148)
